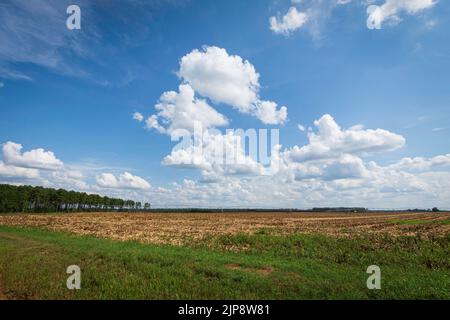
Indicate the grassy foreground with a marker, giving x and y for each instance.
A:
(262, 266)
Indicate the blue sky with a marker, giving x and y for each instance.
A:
(73, 93)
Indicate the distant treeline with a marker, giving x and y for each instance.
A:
(39, 199)
(340, 209)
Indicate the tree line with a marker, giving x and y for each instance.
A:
(40, 199)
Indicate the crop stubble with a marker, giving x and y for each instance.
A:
(180, 228)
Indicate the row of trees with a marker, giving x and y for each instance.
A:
(39, 199)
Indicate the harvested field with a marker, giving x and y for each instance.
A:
(181, 228)
(225, 255)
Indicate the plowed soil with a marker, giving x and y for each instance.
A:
(180, 228)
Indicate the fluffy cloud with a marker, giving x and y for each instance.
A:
(8, 171)
(36, 158)
(369, 186)
(228, 79)
(331, 154)
(39, 167)
(346, 167)
(331, 141)
(390, 10)
(215, 154)
(125, 181)
(181, 111)
(346, 180)
(224, 78)
(138, 117)
(67, 179)
(152, 123)
(421, 163)
(267, 112)
(343, 178)
(316, 14)
(290, 22)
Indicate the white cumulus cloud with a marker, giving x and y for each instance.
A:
(181, 111)
(390, 10)
(138, 116)
(8, 171)
(268, 113)
(124, 181)
(332, 141)
(346, 167)
(228, 79)
(215, 154)
(224, 78)
(36, 158)
(290, 22)
(421, 163)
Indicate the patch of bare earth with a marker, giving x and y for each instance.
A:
(180, 228)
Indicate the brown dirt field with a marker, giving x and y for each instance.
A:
(180, 228)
